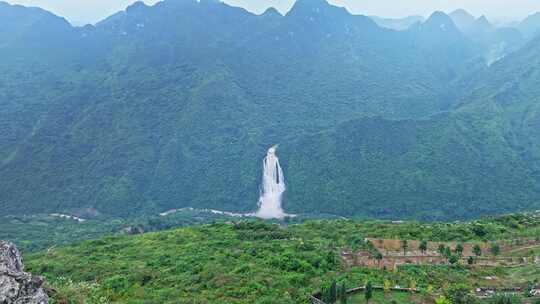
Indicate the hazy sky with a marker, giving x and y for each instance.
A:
(94, 10)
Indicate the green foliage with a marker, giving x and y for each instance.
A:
(443, 300)
(252, 262)
(134, 120)
(213, 263)
(343, 294)
(442, 249)
(38, 232)
(378, 256)
(423, 246)
(495, 249)
(404, 245)
(368, 292)
(330, 293)
(356, 242)
(459, 249)
(477, 250)
(505, 299)
(460, 294)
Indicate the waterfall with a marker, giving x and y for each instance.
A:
(273, 187)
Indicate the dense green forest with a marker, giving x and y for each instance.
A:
(158, 118)
(40, 232)
(174, 105)
(43, 231)
(259, 262)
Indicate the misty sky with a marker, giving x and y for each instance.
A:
(94, 10)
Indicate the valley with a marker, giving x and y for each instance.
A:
(195, 152)
(134, 119)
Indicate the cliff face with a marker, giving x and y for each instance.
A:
(17, 286)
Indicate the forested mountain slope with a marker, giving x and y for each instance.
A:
(481, 157)
(174, 105)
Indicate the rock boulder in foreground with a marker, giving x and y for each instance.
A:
(17, 286)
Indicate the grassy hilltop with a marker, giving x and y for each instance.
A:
(258, 262)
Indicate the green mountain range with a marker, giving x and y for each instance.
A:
(174, 105)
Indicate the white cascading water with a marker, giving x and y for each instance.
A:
(273, 187)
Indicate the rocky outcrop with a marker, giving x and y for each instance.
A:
(17, 286)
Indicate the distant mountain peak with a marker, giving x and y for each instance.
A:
(462, 19)
(440, 20)
(309, 6)
(531, 25)
(273, 12)
(313, 3)
(15, 12)
(439, 16)
(483, 24)
(461, 12)
(483, 19)
(136, 6)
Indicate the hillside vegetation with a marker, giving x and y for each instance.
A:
(155, 109)
(258, 262)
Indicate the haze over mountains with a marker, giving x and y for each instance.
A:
(175, 105)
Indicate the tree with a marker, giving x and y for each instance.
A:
(329, 293)
(368, 292)
(505, 299)
(442, 300)
(459, 294)
(423, 246)
(470, 260)
(356, 242)
(459, 249)
(343, 294)
(333, 292)
(404, 246)
(387, 285)
(441, 249)
(495, 249)
(477, 250)
(412, 286)
(448, 252)
(453, 259)
(378, 256)
(369, 245)
(429, 290)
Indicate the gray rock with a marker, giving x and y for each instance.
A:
(17, 286)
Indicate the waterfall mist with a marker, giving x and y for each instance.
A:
(273, 187)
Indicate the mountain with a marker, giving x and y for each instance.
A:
(25, 31)
(430, 169)
(121, 133)
(463, 19)
(510, 89)
(174, 105)
(530, 25)
(488, 142)
(398, 24)
(496, 42)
